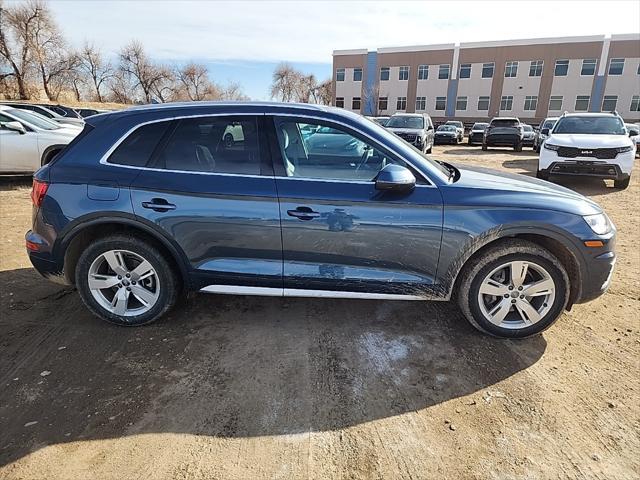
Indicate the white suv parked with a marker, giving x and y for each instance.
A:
(589, 144)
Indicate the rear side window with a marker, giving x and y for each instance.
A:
(137, 148)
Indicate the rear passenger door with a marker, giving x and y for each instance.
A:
(215, 197)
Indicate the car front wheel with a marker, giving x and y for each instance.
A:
(514, 290)
(126, 281)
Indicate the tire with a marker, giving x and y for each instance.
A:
(430, 149)
(162, 285)
(484, 147)
(542, 175)
(622, 184)
(517, 147)
(538, 259)
(228, 140)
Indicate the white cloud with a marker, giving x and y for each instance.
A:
(310, 31)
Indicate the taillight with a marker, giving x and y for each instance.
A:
(38, 191)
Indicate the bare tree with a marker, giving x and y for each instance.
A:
(121, 87)
(164, 86)
(286, 83)
(93, 64)
(144, 74)
(324, 95)
(194, 83)
(233, 91)
(17, 24)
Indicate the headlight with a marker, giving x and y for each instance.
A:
(599, 223)
(625, 149)
(551, 146)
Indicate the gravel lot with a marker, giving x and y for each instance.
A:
(244, 388)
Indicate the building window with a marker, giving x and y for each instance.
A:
(423, 72)
(638, 72)
(609, 103)
(530, 102)
(535, 68)
(355, 103)
(635, 103)
(383, 103)
(465, 70)
(555, 102)
(401, 104)
(340, 102)
(441, 103)
(582, 103)
(506, 102)
(588, 66)
(483, 103)
(616, 66)
(511, 69)
(443, 72)
(403, 74)
(340, 75)
(384, 73)
(421, 103)
(487, 70)
(461, 103)
(357, 74)
(562, 68)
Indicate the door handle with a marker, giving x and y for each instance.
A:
(303, 213)
(159, 205)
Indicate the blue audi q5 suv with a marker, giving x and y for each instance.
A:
(304, 201)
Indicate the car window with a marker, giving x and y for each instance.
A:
(590, 125)
(137, 148)
(527, 128)
(504, 123)
(328, 153)
(402, 121)
(34, 119)
(212, 144)
(549, 124)
(447, 128)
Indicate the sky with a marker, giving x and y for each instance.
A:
(243, 41)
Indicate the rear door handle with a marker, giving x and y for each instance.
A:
(303, 213)
(159, 205)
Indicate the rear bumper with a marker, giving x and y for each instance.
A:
(42, 261)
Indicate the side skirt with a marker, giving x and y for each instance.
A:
(299, 292)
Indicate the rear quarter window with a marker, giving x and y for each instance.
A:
(137, 148)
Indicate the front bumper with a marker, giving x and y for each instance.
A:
(476, 138)
(527, 142)
(445, 140)
(587, 169)
(500, 140)
(599, 278)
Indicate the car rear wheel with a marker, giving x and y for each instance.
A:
(622, 184)
(517, 147)
(125, 281)
(542, 175)
(484, 147)
(514, 290)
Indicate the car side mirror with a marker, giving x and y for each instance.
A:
(633, 133)
(544, 131)
(15, 126)
(395, 178)
(430, 127)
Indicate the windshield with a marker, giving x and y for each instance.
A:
(33, 119)
(527, 128)
(454, 123)
(479, 126)
(590, 126)
(549, 123)
(405, 121)
(446, 128)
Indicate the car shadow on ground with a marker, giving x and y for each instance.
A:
(230, 366)
(13, 182)
(477, 151)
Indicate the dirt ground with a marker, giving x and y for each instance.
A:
(247, 388)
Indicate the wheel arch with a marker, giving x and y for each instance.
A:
(49, 153)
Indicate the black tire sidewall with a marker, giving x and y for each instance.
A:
(556, 310)
(166, 278)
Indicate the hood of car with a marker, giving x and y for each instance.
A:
(411, 131)
(589, 141)
(516, 190)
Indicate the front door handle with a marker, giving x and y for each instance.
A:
(303, 213)
(159, 205)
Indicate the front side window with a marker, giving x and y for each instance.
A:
(441, 103)
(357, 74)
(403, 73)
(609, 103)
(530, 102)
(635, 103)
(355, 103)
(465, 70)
(461, 103)
(506, 102)
(340, 75)
(562, 68)
(137, 148)
(443, 72)
(588, 66)
(511, 69)
(535, 69)
(483, 103)
(616, 66)
(383, 103)
(212, 144)
(555, 102)
(598, 125)
(582, 103)
(487, 70)
(318, 151)
(423, 72)
(421, 103)
(340, 102)
(401, 103)
(384, 73)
